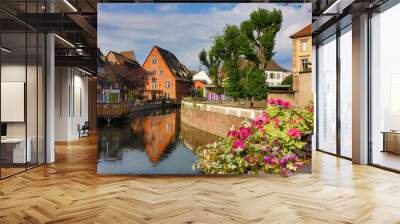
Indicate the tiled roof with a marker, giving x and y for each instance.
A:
(306, 31)
(124, 60)
(273, 66)
(180, 71)
(129, 54)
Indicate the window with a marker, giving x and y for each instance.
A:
(346, 92)
(326, 126)
(167, 95)
(271, 75)
(278, 76)
(154, 61)
(161, 72)
(154, 84)
(304, 64)
(304, 45)
(167, 84)
(385, 89)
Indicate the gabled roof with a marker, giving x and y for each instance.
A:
(122, 59)
(273, 66)
(179, 70)
(202, 76)
(129, 54)
(306, 31)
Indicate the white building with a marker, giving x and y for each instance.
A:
(202, 76)
(275, 73)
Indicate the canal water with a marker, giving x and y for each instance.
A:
(151, 142)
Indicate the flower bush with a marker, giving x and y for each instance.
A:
(270, 143)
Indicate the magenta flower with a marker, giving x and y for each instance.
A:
(271, 101)
(247, 158)
(263, 151)
(244, 132)
(274, 160)
(279, 102)
(293, 157)
(294, 132)
(286, 104)
(239, 144)
(267, 159)
(233, 134)
(283, 161)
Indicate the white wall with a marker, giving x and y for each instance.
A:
(71, 102)
(275, 81)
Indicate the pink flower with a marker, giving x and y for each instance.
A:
(267, 159)
(286, 104)
(298, 164)
(239, 144)
(266, 119)
(283, 161)
(277, 121)
(244, 132)
(247, 158)
(294, 132)
(274, 160)
(261, 129)
(285, 172)
(233, 134)
(263, 151)
(279, 102)
(311, 108)
(271, 101)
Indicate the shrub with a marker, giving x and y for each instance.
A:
(267, 144)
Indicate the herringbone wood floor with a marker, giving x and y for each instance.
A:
(70, 191)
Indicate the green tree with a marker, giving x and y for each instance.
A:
(255, 85)
(212, 60)
(288, 81)
(236, 47)
(260, 31)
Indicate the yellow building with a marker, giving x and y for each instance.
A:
(302, 58)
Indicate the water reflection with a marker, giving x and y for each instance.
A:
(153, 142)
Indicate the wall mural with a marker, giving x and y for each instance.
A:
(204, 88)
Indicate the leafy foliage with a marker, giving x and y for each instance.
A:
(130, 80)
(288, 80)
(213, 62)
(256, 86)
(267, 144)
(261, 30)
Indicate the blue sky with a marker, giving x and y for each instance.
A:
(186, 28)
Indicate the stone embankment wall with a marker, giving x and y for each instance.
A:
(214, 119)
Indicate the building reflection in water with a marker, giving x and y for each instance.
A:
(151, 142)
(158, 132)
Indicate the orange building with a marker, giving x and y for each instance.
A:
(158, 133)
(167, 75)
(199, 84)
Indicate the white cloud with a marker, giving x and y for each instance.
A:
(168, 7)
(185, 34)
